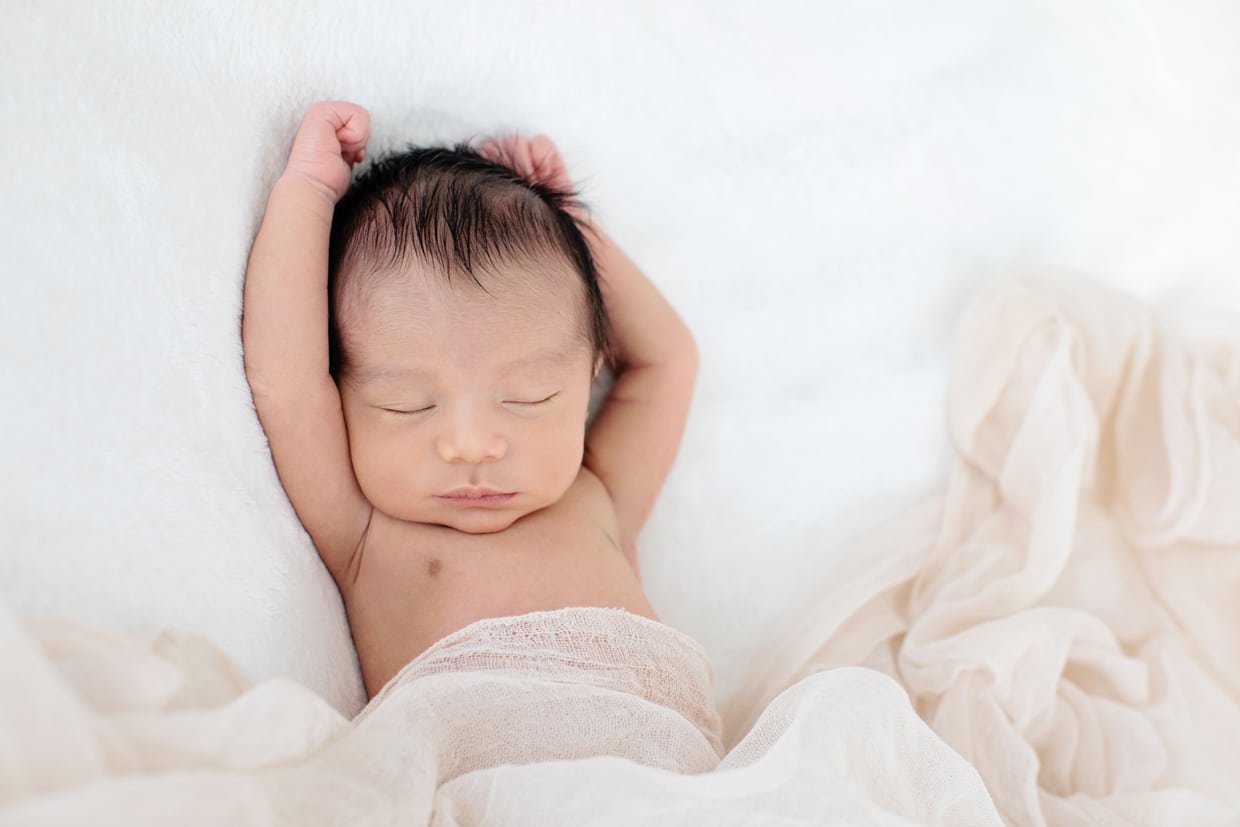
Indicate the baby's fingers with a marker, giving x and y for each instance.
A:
(349, 124)
(352, 124)
(543, 154)
(535, 159)
(331, 138)
(507, 150)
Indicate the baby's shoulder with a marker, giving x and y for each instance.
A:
(585, 506)
(592, 502)
(588, 487)
(589, 480)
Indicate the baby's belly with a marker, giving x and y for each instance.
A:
(406, 599)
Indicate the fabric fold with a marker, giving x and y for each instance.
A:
(1065, 614)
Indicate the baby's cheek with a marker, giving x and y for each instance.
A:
(383, 472)
(567, 454)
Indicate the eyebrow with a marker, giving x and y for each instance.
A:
(376, 373)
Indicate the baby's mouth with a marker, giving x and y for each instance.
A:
(470, 495)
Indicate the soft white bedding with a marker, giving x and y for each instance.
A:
(817, 187)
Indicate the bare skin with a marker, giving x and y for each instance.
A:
(417, 583)
(370, 465)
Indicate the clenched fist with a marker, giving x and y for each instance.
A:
(330, 140)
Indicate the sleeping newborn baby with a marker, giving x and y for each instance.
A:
(421, 344)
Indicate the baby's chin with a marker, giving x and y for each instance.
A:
(479, 521)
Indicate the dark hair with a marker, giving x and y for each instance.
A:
(456, 212)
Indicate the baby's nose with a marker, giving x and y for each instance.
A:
(472, 442)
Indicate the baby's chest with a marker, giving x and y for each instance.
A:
(444, 567)
(416, 584)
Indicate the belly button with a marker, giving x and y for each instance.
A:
(433, 567)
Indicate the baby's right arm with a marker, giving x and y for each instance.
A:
(284, 333)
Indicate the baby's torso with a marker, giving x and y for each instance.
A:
(415, 583)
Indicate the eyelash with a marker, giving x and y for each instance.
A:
(409, 413)
(428, 407)
(539, 402)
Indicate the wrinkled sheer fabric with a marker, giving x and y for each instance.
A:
(598, 681)
(575, 716)
(1067, 614)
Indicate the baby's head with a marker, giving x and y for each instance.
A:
(466, 328)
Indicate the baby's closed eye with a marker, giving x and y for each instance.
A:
(542, 401)
(409, 411)
(529, 401)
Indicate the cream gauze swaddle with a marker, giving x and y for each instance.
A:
(564, 684)
(576, 716)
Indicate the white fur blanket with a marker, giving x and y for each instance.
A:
(817, 187)
(1063, 617)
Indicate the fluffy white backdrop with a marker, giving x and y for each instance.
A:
(818, 187)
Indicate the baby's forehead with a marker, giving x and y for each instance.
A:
(497, 286)
(515, 362)
(397, 357)
(524, 318)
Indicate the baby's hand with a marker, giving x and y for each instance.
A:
(331, 139)
(534, 159)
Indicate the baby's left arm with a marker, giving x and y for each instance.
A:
(636, 433)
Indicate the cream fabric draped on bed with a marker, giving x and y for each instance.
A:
(1067, 614)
